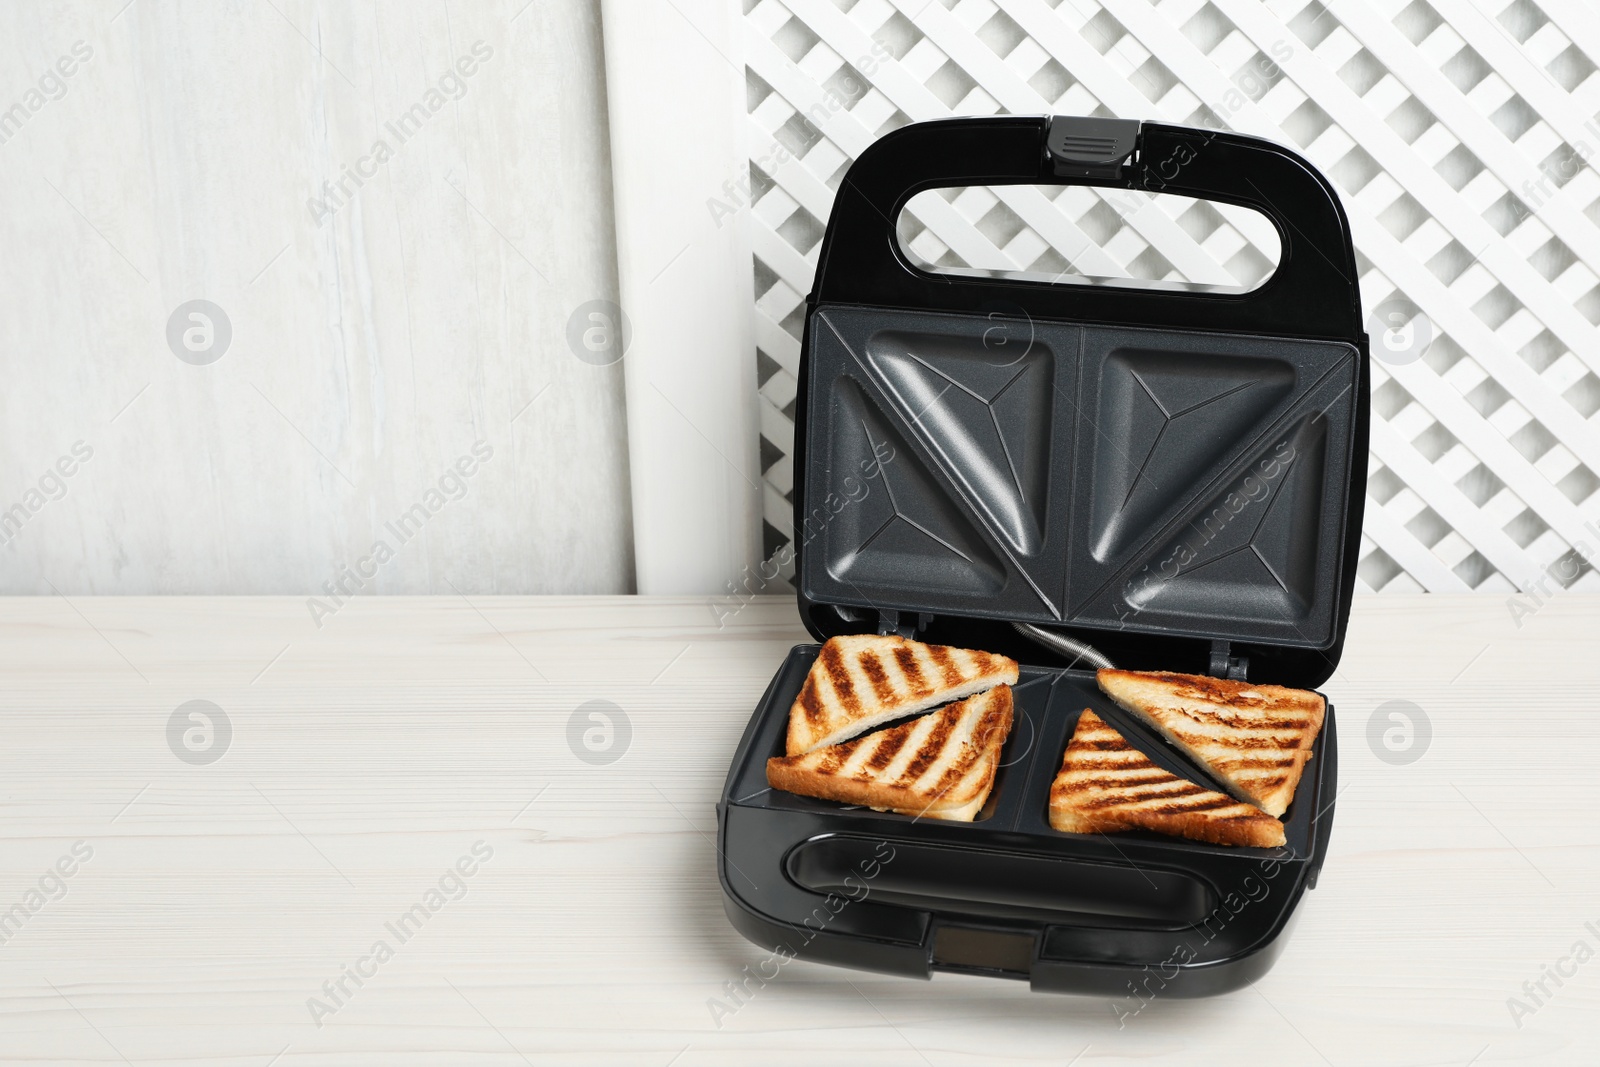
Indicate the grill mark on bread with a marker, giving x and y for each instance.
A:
(1269, 743)
(1113, 808)
(810, 705)
(940, 654)
(961, 766)
(1091, 764)
(873, 669)
(1119, 798)
(1100, 742)
(1199, 804)
(834, 760)
(1255, 763)
(1249, 749)
(839, 675)
(906, 659)
(929, 752)
(1174, 804)
(1221, 690)
(883, 755)
(1215, 717)
(994, 720)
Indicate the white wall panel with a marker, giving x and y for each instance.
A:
(372, 344)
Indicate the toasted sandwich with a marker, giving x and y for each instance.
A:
(941, 765)
(1255, 738)
(863, 681)
(1105, 785)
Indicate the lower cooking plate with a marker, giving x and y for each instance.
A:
(1047, 705)
(1006, 894)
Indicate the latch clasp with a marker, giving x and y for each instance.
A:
(1090, 148)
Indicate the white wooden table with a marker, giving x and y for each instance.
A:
(209, 903)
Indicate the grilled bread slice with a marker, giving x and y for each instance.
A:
(1255, 738)
(941, 765)
(863, 681)
(1106, 785)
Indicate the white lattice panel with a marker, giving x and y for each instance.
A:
(1461, 137)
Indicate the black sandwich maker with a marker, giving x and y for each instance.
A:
(1173, 475)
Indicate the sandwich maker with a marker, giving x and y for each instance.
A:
(1172, 475)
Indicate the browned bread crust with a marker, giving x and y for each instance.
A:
(1105, 785)
(941, 765)
(862, 681)
(1255, 738)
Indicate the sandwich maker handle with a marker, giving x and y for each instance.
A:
(1313, 293)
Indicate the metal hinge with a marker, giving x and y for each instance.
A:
(1224, 664)
(904, 623)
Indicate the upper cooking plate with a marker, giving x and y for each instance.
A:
(1141, 460)
(1109, 478)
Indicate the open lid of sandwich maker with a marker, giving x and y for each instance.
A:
(1171, 474)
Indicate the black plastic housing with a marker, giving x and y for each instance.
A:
(1124, 915)
(1173, 475)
